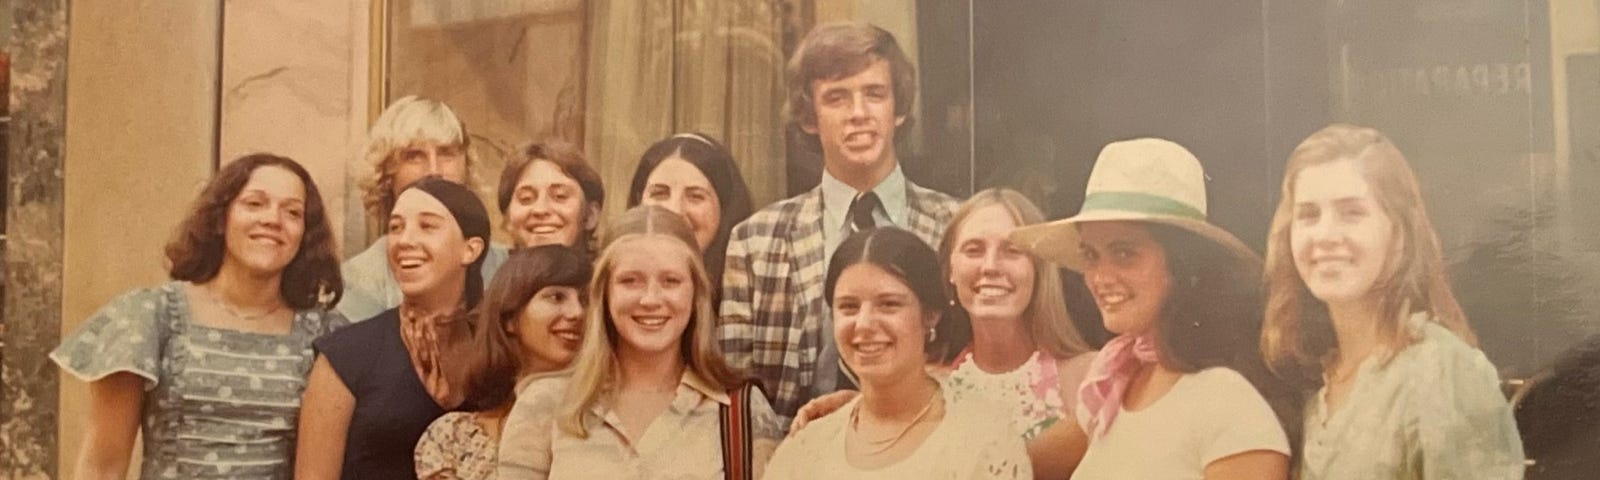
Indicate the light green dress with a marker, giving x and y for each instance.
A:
(1434, 412)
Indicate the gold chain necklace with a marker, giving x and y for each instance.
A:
(855, 421)
(234, 311)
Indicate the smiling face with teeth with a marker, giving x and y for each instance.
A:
(855, 122)
(992, 278)
(266, 221)
(650, 293)
(1340, 236)
(1126, 270)
(879, 324)
(428, 255)
(547, 207)
(549, 328)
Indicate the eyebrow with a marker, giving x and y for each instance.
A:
(834, 90)
(565, 182)
(1340, 200)
(1118, 243)
(257, 191)
(398, 216)
(1122, 243)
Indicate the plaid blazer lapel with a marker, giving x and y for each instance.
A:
(929, 213)
(809, 250)
(808, 264)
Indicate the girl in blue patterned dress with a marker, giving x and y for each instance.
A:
(210, 366)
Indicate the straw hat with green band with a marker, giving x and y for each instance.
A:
(1144, 180)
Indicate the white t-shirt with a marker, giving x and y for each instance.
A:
(1208, 415)
(967, 444)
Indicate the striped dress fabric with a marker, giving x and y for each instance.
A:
(218, 403)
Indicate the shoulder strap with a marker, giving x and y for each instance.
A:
(736, 460)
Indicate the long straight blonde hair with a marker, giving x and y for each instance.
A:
(1297, 331)
(595, 370)
(1046, 316)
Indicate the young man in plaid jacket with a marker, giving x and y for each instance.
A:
(850, 90)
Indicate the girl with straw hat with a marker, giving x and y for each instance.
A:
(1182, 387)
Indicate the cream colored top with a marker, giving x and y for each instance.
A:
(684, 442)
(972, 441)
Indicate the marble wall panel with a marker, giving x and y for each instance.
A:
(294, 84)
(33, 253)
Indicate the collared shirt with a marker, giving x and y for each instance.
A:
(683, 442)
(836, 200)
(369, 287)
(837, 197)
(774, 319)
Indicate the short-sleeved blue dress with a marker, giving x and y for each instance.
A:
(218, 403)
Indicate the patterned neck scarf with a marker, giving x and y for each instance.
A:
(1109, 375)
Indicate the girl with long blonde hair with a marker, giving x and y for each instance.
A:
(648, 383)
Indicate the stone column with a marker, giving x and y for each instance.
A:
(33, 242)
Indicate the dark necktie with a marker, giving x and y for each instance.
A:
(861, 211)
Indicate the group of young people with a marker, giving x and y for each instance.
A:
(867, 328)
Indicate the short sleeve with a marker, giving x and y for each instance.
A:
(435, 455)
(124, 336)
(350, 350)
(1240, 420)
(1464, 424)
(526, 439)
(798, 456)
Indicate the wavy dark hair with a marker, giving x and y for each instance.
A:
(902, 254)
(197, 248)
(487, 357)
(714, 161)
(1212, 318)
(567, 158)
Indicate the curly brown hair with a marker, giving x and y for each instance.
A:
(197, 248)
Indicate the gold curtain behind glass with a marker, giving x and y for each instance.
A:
(658, 67)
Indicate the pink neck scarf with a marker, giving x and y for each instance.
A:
(1109, 374)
